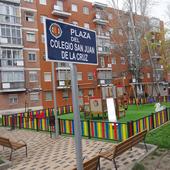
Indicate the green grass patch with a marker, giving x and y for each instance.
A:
(160, 137)
(138, 166)
(133, 113)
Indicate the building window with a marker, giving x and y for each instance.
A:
(113, 60)
(47, 76)
(48, 96)
(33, 76)
(102, 62)
(74, 22)
(10, 34)
(12, 76)
(86, 25)
(32, 56)
(79, 76)
(11, 58)
(13, 99)
(148, 75)
(29, 16)
(10, 14)
(90, 76)
(65, 94)
(64, 75)
(85, 10)
(30, 36)
(122, 60)
(34, 96)
(43, 2)
(74, 7)
(60, 5)
(91, 92)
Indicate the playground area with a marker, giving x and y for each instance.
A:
(101, 132)
(133, 113)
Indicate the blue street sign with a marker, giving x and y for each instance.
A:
(68, 43)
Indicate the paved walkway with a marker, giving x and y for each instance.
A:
(45, 153)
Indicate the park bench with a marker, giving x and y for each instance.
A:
(92, 164)
(120, 148)
(13, 145)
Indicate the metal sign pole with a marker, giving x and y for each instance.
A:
(55, 101)
(77, 123)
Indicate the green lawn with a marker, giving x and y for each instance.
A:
(133, 112)
(160, 137)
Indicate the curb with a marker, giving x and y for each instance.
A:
(5, 165)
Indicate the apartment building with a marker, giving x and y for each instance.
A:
(25, 76)
(19, 61)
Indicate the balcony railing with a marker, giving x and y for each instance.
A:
(103, 82)
(63, 84)
(99, 5)
(159, 67)
(104, 67)
(12, 86)
(100, 19)
(63, 66)
(9, 41)
(103, 50)
(57, 10)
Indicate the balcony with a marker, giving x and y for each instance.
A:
(104, 82)
(11, 42)
(63, 66)
(10, 20)
(159, 67)
(58, 11)
(107, 67)
(103, 35)
(154, 24)
(63, 84)
(103, 50)
(99, 5)
(100, 19)
(12, 1)
(156, 56)
(12, 87)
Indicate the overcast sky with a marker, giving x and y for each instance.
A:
(158, 10)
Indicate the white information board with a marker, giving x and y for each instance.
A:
(111, 110)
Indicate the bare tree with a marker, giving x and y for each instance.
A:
(133, 20)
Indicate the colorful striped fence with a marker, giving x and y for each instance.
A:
(147, 100)
(90, 128)
(116, 131)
